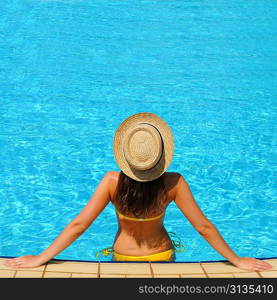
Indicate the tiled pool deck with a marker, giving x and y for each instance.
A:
(69, 269)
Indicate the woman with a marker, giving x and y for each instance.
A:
(141, 192)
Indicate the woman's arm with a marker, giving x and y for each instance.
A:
(72, 231)
(185, 201)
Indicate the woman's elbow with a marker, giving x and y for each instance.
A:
(206, 229)
(78, 228)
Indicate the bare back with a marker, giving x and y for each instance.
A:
(143, 238)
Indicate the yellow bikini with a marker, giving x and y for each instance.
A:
(161, 256)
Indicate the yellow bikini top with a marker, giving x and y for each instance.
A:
(141, 220)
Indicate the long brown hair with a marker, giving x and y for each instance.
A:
(140, 199)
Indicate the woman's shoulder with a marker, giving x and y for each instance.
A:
(113, 173)
(113, 176)
(172, 179)
(173, 174)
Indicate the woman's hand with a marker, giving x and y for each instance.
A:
(252, 264)
(27, 261)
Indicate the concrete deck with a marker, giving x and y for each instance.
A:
(68, 269)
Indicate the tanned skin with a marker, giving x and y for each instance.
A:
(140, 238)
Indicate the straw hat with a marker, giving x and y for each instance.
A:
(143, 146)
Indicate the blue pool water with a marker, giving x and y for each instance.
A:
(72, 71)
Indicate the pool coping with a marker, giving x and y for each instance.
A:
(59, 268)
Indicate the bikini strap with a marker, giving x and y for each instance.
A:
(105, 252)
(177, 242)
(141, 220)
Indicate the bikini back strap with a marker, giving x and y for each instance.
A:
(141, 220)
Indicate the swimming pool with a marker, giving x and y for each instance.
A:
(72, 71)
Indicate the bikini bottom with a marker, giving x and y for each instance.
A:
(168, 255)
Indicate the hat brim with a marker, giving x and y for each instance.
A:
(167, 153)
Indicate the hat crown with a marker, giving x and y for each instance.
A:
(142, 146)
